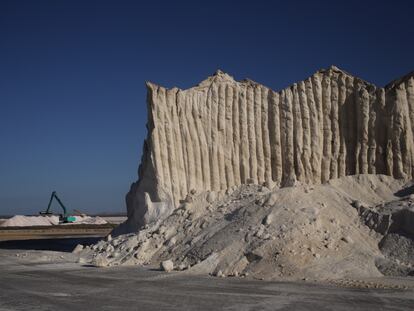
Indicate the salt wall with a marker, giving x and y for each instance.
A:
(223, 133)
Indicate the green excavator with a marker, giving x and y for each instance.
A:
(63, 217)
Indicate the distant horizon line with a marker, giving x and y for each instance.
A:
(104, 214)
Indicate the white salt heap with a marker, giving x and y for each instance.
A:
(207, 198)
(224, 133)
(31, 221)
(88, 220)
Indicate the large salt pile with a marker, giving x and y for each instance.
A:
(236, 178)
(224, 133)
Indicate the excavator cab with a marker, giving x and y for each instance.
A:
(65, 218)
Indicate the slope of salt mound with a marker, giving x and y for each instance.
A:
(288, 233)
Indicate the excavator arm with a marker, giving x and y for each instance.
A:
(65, 217)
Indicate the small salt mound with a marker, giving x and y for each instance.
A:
(30, 221)
(88, 220)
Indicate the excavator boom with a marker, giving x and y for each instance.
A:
(65, 217)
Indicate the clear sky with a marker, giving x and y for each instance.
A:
(72, 76)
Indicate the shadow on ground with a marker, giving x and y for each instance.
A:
(405, 191)
(55, 244)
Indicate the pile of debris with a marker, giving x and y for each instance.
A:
(300, 232)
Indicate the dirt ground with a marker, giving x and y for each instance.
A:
(43, 274)
(48, 232)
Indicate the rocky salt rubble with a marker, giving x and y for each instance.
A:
(394, 221)
(299, 232)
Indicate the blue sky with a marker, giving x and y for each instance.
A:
(72, 76)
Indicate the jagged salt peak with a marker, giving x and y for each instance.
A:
(220, 76)
(399, 81)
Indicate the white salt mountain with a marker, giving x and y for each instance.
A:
(239, 180)
(223, 133)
